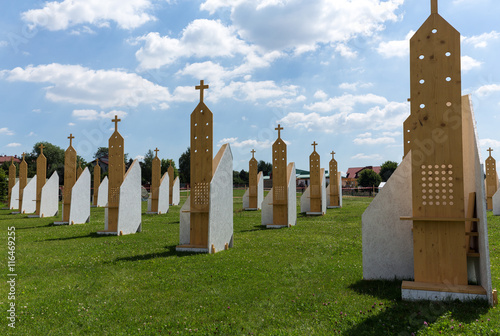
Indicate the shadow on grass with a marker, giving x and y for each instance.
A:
(90, 235)
(170, 252)
(256, 228)
(404, 317)
(34, 227)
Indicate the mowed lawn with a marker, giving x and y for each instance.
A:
(304, 280)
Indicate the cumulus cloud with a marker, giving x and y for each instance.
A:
(13, 144)
(355, 86)
(345, 103)
(79, 85)
(468, 63)
(489, 143)
(396, 48)
(374, 141)
(127, 14)
(3, 44)
(488, 89)
(246, 143)
(481, 41)
(6, 131)
(363, 156)
(301, 25)
(94, 115)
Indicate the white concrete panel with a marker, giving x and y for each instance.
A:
(129, 208)
(340, 190)
(246, 199)
(266, 216)
(305, 201)
(49, 204)
(79, 212)
(328, 196)
(292, 196)
(14, 196)
(220, 222)
(260, 189)
(323, 192)
(387, 240)
(496, 203)
(102, 196)
(163, 200)
(29, 197)
(176, 192)
(185, 224)
(417, 295)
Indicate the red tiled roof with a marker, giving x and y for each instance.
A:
(6, 158)
(354, 172)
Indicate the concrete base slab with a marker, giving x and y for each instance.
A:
(15, 213)
(33, 216)
(314, 213)
(191, 249)
(152, 213)
(250, 209)
(61, 223)
(333, 207)
(107, 233)
(417, 295)
(275, 226)
(93, 206)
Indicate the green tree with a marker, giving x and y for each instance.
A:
(243, 174)
(368, 178)
(185, 166)
(386, 170)
(55, 159)
(265, 167)
(165, 164)
(4, 185)
(101, 152)
(147, 167)
(236, 178)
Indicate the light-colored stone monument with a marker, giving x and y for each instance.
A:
(206, 222)
(254, 195)
(97, 182)
(123, 212)
(491, 180)
(158, 198)
(102, 197)
(28, 205)
(279, 208)
(12, 183)
(14, 197)
(334, 189)
(49, 198)
(313, 200)
(174, 194)
(437, 192)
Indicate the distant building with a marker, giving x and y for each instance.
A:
(103, 163)
(5, 158)
(351, 177)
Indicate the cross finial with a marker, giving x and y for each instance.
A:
(434, 6)
(24, 155)
(201, 87)
(41, 149)
(11, 160)
(252, 151)
(97, 161)
(116, 120)
(156, 152)
(314, 144)
(333, 154)
(71, 137)
(490, 150)
(279, 128)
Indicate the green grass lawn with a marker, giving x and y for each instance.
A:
(305, 280)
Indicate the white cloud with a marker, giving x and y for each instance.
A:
(387, 117)
(486, 90)
(139, 157)
(468, 63)
(253, 91)
(374, 141)
(127, 14)
(355, 86)
(302, 25)
(6, 131)
(286, 101)
(365, 135)
(345, 103)
(13, 144)
(83, 30)
(37, 110)
(345, 51)
(481, 41)
(32, 134)
(396, 48)
(489, 143)
(4, 43)
(79, 85)
(246, 143)
(94, 115)
(363, 156)
(320, 94)
(71, 124)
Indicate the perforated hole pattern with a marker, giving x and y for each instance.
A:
(437, 185)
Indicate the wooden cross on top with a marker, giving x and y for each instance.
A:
(24, 154)
(116, 120)
(252, 151)
(314, 144)
(156, 152)
(490, 150)
(279, 128)
(41, 149)
(201, 87)
(434, 6)
(71, 137)
(333, 154)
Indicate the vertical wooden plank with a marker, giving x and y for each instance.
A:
(12, 180)
(491, 179)
(155, 181)
(280, 185)
(314, 175)
(252, 181)
(170, 172)
(201, 169)
(436, 148)
(334, 182)
(97, 181)
(79, 170)
(23, 180)
(41, 176)
(69, 177)
(116, 175)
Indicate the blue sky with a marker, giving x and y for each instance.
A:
(334, 72)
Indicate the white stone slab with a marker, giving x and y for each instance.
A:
(266, 215)
(29, 197)
(184, 227)
(260, 194)
(14, 196)
(417, 295)
(102, 196)
(292, 195)
(220, 222)
(49, 203)
(305, 201)
(496, 203)
(387, 240)
(163, 200)
(79, 212)
(129, 209)
(323, 191)
(246, 199)
(176, 192)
